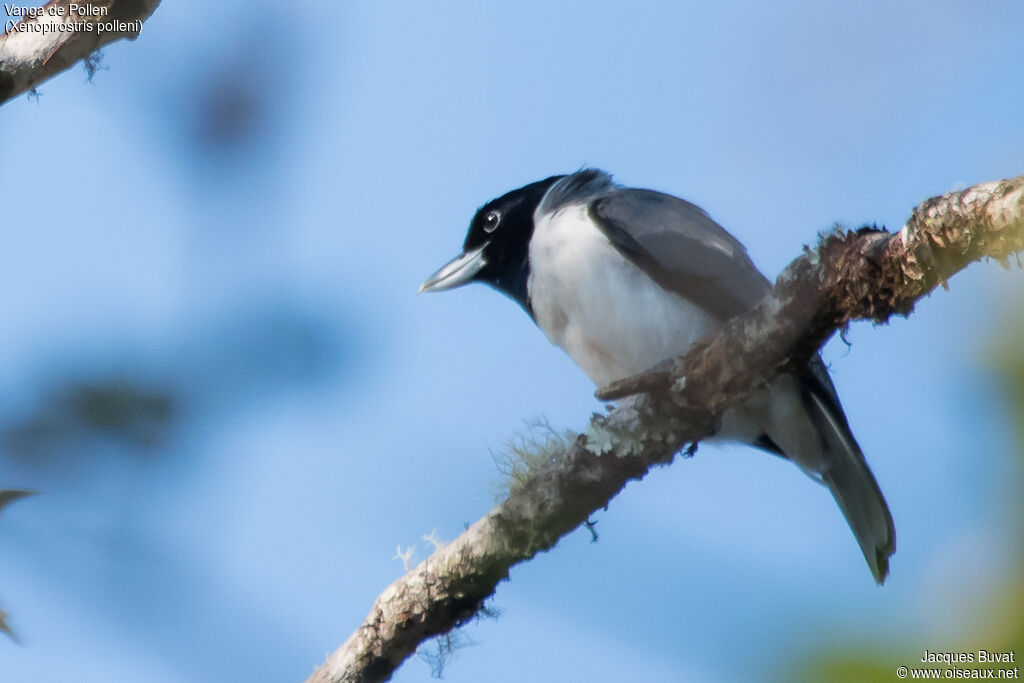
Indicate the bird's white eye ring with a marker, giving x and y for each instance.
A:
(491, 221)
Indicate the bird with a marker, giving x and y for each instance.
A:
(623, 278)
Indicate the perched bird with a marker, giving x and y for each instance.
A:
(622, 279)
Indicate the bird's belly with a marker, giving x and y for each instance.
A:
(599, 307)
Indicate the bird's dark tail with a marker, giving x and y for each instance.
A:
(847, 476)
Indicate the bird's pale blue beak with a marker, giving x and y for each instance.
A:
(457, 272)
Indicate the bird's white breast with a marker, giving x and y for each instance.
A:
(598, 306)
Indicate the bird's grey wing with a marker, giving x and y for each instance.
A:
(682, 249)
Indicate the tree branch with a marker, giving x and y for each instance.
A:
(868, 274)
(865, 275)
(61, 33)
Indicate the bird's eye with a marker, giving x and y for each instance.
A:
(491, 221)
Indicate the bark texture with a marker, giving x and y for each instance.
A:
(867, 274)
(30, 55)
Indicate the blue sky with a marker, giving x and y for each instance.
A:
(262, 266)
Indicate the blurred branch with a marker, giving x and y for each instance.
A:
(8, 496)
(868, 274)
(41, 46)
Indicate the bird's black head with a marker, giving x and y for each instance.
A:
(497, 245)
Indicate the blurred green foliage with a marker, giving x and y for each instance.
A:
(79, 424)
(122, 408)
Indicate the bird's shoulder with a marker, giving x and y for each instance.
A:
(681, 248)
